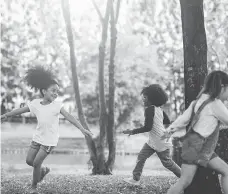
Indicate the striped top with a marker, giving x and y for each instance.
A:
(155, 118)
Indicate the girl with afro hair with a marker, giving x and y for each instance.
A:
(47, 110)
(154, 97)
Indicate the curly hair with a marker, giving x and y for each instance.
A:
(39, 78)
(156, 95)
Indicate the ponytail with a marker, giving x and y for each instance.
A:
(213, 84)
(216, 85)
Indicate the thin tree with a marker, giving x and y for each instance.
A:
(111, 133)
(97, 155)
(89, 141)
(195, 70)
(102, 104)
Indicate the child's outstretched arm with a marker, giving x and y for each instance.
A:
(180, 123)
(74, 121)
(149, 117)
(183, 120)
(14, 112)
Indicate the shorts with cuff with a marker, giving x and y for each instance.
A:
(38, 146)
(197, 150)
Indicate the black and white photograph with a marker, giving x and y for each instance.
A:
(114, 97)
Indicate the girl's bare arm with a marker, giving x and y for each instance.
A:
(74, 121)
(16, 112)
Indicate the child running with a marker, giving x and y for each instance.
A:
(46, 110)
(202, 119)
(154, 97)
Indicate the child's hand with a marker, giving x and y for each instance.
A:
(166, 135)
(3, 118)
(87, 133)
(128, 131)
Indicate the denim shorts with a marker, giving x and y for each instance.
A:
(38, 146)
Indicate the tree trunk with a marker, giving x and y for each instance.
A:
(195, 47)
(89, 141)
(103, 113)
(111, 133)
(195, 70)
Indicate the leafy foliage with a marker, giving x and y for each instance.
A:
(149, 50)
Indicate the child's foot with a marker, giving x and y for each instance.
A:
(33, 190)
(132, 181)
(44, 172)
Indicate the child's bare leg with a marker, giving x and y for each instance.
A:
(221, 167)
(41, 155)
(33, 150)
(187, 174)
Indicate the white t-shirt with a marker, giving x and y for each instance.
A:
(47, 130)
(208, 119)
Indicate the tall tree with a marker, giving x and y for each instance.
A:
(195, 70)
(102, 103)
(100, 165)
(111, 119)
(89, 141)
(106, 119)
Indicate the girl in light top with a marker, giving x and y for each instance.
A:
(46, 110)
(202, 119)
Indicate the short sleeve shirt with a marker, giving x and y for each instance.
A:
(47, 130)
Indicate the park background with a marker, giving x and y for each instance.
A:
(149, 49)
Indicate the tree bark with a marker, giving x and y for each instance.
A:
(195, 47)
(111, 133)
(103, 113)
(195, 70)
(89, 141)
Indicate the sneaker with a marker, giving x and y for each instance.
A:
(44, 172)
(132, 181)
(33, 191)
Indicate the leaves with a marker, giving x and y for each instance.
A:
(149, 48)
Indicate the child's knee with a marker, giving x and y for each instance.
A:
(29, 161)
(36, 164)
(225, 172)
(167, 163)
(186, 181)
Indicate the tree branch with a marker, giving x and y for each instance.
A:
(98, 11)
(117, 10)
(112, 12)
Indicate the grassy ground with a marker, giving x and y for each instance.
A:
(68, 175)
(86, 184)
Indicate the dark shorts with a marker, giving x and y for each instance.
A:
(38, 146)
(195, 152)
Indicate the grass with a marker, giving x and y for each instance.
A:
(70, 179)
(86, 184)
